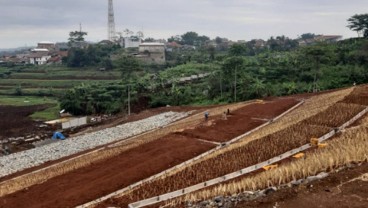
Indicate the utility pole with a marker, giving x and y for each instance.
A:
(235, 84)
(221, 83)
(129, 100)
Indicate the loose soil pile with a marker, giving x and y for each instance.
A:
(15, 122)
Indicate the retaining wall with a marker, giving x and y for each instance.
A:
(74, 123)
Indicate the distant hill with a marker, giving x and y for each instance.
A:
(13, 51)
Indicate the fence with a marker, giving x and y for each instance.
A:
(74, 123)
(241, 172)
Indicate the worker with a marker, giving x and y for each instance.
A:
(206, 114)
(224, 116)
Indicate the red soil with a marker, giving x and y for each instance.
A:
(15, 122)
(241, 120)
(102, 178)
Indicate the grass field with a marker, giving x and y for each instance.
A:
(36, 82)
(50, 80)
(47, 114)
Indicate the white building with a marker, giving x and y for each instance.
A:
(39, 58)
(132, 42)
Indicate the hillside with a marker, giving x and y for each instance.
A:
(253, 132)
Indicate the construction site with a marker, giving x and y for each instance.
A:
(280, 151)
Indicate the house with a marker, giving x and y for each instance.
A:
(106, 42)
(172, 46)
(131, 42)
(54, 60)
(152, 53)
(39, 57)
(46, 45)
(259, 43)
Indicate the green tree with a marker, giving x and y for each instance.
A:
(76, 36)
(238, 50)
(307, 36)
(189, 38)
(359, 23)
(128, 65)
(316, 55)
(258, 88)
(18, 90)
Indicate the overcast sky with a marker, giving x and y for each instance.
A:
(26, 22)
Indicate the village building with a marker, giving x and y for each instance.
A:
(39, 57)
(131, 42)
(46, 45)
(152, 53)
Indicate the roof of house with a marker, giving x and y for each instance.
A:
(55, 59)
(63, 53)
(40, 50)
(173, 44)
(37, 55)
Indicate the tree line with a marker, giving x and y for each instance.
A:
(240, 72)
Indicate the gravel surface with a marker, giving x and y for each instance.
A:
(19, 161)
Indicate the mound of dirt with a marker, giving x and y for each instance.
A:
(15, 121)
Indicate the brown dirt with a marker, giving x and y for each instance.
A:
(15, 122)
(241, 120)
(334, 191)
(99, 179)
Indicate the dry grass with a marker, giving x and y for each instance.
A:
(248, 153)
(254, 152)
(311, 107)
(351, 146)
(336, 115)
(243, 155)
(359, 96)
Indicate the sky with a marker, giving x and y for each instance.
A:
(26, 22)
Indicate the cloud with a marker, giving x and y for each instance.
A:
(29, 21)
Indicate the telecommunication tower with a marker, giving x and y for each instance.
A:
(111, 22)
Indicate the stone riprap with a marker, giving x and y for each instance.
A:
(30, 158)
